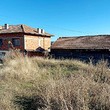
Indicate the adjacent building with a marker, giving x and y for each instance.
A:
(24, 38)
(82, 47)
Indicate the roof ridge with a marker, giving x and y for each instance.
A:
(100, 35)
(29, 27)
(22, 26)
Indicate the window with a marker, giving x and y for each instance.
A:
(1, 42)
(16, 41)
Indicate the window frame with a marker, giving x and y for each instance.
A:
(16, 41)
(1, 42)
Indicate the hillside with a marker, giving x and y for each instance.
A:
(48, 84)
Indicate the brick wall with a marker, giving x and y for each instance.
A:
(47, 42)
(8, 37)
(28, 42)
(33, 42)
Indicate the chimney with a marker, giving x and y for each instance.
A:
(42, 31)
(39, 30)
(6, 26)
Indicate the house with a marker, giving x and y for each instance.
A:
(23, 37)
(83, 47)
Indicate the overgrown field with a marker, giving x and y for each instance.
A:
(48, 84)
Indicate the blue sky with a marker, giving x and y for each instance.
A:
(59, 17)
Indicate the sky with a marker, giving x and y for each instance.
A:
(61, 18)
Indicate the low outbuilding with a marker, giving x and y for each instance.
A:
(95, 47)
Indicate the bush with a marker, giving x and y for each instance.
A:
(49, 84)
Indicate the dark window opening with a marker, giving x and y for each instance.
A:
(16, 42)
(1, 42)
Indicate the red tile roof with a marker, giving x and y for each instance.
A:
(83, 42)
(21, 29)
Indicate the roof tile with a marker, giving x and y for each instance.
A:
(83, 42)
(22, 29)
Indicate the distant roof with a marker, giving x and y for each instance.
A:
(21, 29)
(83, 42)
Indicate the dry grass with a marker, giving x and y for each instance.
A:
(44, 84)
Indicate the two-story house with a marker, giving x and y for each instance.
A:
(23, 37)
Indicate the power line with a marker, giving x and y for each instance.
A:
(66, 29)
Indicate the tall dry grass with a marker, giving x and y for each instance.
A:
(49, 84)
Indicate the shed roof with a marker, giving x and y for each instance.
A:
(21, 29)
(83, 42)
